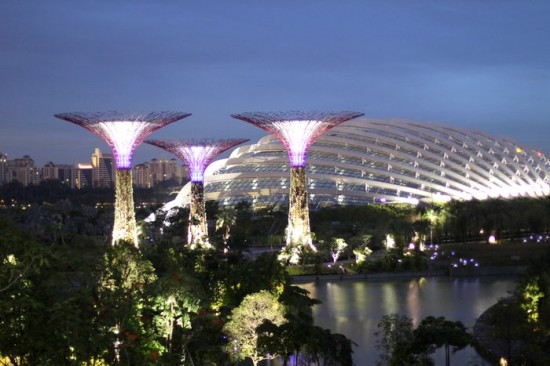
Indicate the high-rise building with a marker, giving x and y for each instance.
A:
(147, 175)
(23, 170)
(161, 170)
(49, 171)
(140, 176)
(82, 176)
(103, 169)
(65, 173)
(3, 168)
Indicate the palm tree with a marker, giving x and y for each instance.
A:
(436, 215)
(226, 218)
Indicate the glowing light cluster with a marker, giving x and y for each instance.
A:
(297, 130)
(123, 132)
(197, 154)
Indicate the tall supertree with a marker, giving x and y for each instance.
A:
(197, 154)
(123, 132)
(297, 131)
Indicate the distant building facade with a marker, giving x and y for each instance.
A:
(22, 170)
(82, 176)
(3, 168)
(103, 169)
(98, 173)
(147, 175)
(49, 171)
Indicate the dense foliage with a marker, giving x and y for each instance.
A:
(70, 298)
(520, 324)
(403, 345)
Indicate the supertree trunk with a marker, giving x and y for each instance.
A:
(124, 227)
(298, 232)
(197, 233)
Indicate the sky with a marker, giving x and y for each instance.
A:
(482, 64)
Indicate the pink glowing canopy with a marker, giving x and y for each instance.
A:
(123, 132)
(197, 154)
(297, 130)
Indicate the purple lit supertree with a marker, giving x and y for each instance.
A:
(123, 132)
(197, 154)
(297, 131)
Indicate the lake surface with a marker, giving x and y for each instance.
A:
(355, 307)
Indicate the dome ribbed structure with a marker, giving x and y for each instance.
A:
(376, 161)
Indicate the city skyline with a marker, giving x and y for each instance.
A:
(480, 65)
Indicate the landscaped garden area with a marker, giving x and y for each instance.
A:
(69, 297)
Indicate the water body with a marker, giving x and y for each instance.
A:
(355, 307)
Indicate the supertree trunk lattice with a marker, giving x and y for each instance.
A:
(198, 229)
(123, 132)
(297, 131)
(197, 154)
(298, 227)
(124, 227)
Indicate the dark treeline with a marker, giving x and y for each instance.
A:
(53, 190)
(456, 221)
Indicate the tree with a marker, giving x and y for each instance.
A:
(19, 254)
(226, 220)
(254, 310)
(395, 340)
(123, 278)
(433, 333)
(328, 349)
(394, 336)
(337, 247)
(432, 217)
(290, 337)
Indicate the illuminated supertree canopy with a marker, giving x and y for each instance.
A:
(123, 132)
(297, 131)
(197, 154)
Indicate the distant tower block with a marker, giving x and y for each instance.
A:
(123, 132)
(197, 154)
(297, 131)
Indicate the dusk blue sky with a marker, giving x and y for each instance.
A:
(473, 64)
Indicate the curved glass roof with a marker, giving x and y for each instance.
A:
(374, 161)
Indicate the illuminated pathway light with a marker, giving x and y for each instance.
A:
(123, 132)
(197, 154)
(297, 131)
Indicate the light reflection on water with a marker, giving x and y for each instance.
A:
(354, 307)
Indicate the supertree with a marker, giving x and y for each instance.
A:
(123, 132)
(197, 154)
(297, 131)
